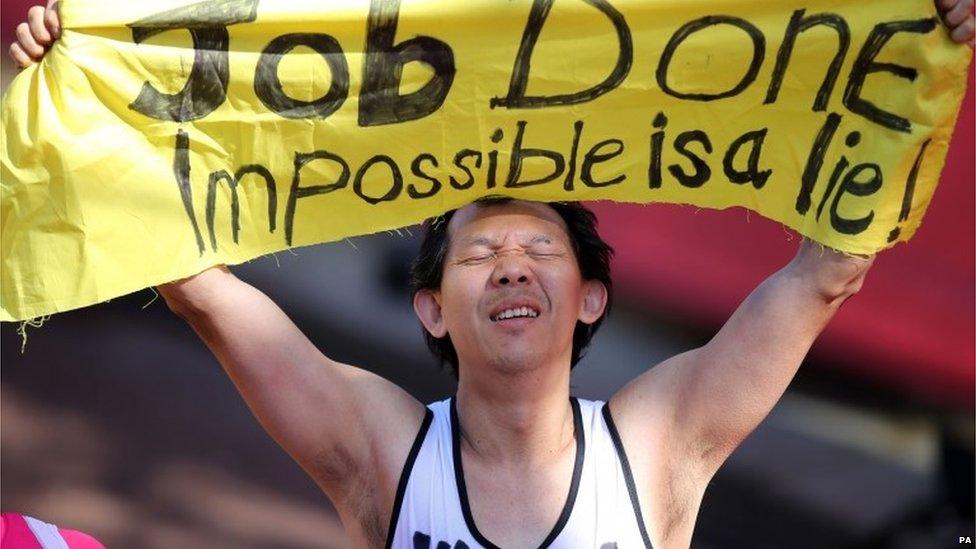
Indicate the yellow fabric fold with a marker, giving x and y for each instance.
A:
(155, 140)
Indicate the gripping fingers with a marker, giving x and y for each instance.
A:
(38, 30)
(35, 36)
(19, 56)
(958, 13)
(52, 21)
(958, 17)
(27, 42)
(965, 32)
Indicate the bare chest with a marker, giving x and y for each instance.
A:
(518, 507)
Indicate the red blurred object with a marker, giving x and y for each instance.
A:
(912, 326)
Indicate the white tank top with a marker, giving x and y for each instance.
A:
(602, 511)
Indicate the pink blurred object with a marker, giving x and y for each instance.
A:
(23, 532)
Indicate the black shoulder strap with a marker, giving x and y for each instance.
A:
(405, 475)
(628, 475)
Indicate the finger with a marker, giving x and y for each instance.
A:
(20, 58)
(958, 13)
(27, 43)
(945, 5)
(964, 33)
(35, 21)
(52, 21)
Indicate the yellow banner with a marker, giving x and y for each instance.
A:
(158, 139)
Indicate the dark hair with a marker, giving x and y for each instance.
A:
(592, 255)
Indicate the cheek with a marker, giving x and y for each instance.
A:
(561, 326)
(566, 292)
(459, 295)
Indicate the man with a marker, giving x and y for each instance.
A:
(509, 292)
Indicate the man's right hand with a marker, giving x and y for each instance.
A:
(36, 35)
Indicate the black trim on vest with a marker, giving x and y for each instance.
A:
(628, 475)
(577, 474)
(573, 487)
(405, 475)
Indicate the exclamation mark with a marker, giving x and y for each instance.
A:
(906, 201)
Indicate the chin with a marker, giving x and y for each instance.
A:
(515, 362)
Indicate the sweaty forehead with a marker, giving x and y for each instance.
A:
(506, 217)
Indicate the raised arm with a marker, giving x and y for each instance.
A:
(706, 401)
(680, 420)
(344, 425)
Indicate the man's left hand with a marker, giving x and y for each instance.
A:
(959, 20)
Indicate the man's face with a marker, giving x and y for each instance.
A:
(511, 291)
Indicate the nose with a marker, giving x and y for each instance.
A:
(511, 270)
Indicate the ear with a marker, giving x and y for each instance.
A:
(427, 305)
(594, 301)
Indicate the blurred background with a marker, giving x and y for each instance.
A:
(115, 420)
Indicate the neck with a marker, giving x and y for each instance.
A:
(524, 417)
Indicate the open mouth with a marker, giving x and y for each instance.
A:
(516, 312)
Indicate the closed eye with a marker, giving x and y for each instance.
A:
(546, 255)
(475, 260)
